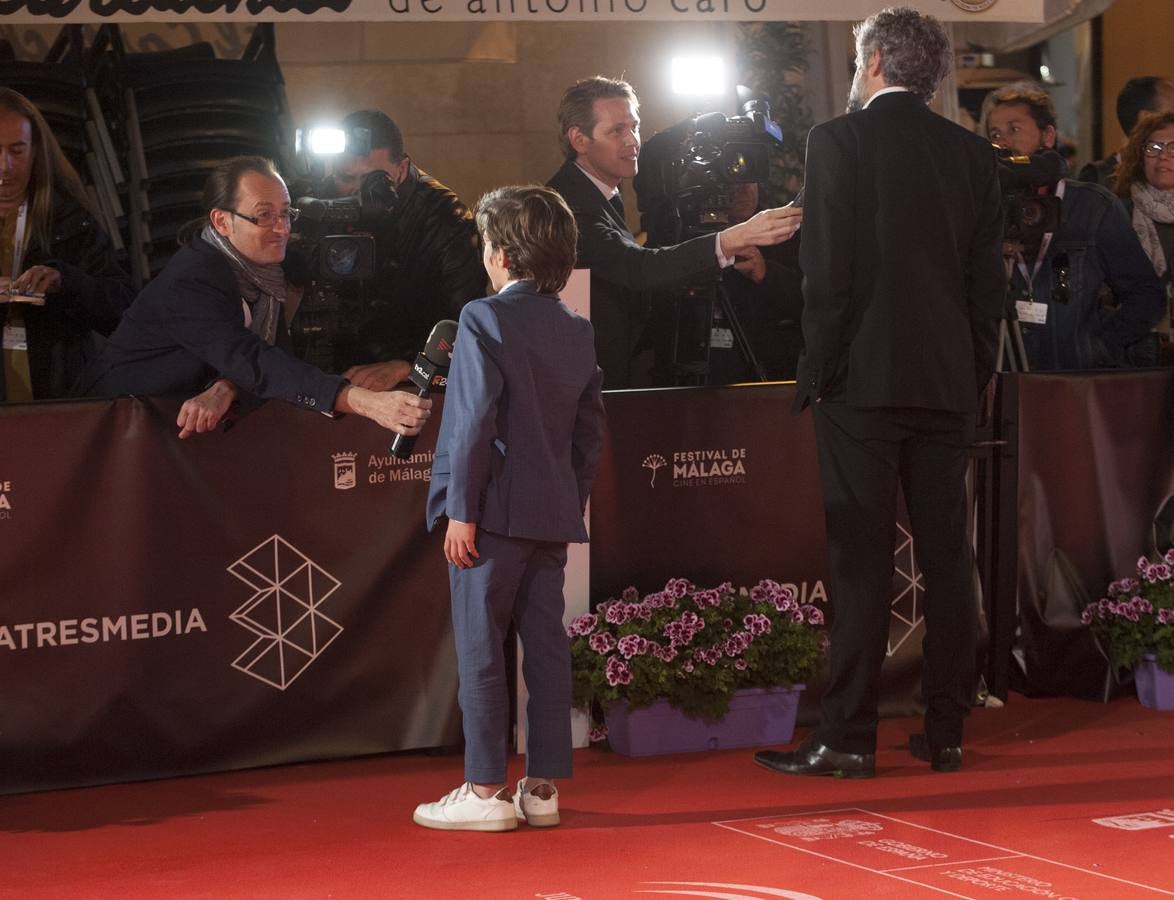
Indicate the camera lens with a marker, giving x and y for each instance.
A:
(341, 259)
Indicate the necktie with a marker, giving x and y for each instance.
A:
(617, 203)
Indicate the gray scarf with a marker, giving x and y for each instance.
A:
(262, 287)
(1151, 205)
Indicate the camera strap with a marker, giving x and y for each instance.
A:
(1029, 309)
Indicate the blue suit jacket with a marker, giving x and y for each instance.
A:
(523, 419)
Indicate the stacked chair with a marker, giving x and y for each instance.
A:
(176, 114)
(60, 86)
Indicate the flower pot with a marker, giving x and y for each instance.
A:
(757, 717)
(1155, 686)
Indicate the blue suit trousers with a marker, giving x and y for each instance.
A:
(522, 580)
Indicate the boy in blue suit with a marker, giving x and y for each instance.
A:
(518, 446)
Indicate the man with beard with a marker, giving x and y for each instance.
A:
(902, 295)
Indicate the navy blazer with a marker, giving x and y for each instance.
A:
(187, 328)
(522, 426)
(621, 269)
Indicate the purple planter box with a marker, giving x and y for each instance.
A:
(1155, 687)
(757, 717)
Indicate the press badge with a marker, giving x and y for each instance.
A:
(15, 338)
(1032, 312)
(721, 339)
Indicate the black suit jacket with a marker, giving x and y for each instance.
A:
(187, 327)
(621, 269)
(904, 282)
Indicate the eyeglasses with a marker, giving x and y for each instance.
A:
(268, 220)
(1157, 148)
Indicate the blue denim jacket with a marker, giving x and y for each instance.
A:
(1095, 246)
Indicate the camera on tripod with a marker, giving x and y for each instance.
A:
(688, 185)
(1028, 211)
(688, 172)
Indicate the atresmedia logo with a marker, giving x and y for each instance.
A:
(285, 611)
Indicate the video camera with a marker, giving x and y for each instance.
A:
(1028, 212)
(688, 172)
(336, 235)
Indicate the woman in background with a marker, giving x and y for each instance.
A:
(1145, 181)
(52, 245)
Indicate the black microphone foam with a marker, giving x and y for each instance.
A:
(430, 367)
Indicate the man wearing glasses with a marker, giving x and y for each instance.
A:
(1086, 295)
(212, 322)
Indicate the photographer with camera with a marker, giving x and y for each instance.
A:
(1056, 272)
(426, 258)
(599, 131)
(700, 176)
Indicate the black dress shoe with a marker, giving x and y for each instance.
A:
(940, 759)
(813, 758)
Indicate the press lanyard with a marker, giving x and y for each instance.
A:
(18, 239)
(1029, 277)
(14, 334)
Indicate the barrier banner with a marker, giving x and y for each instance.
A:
(1095, 469)
(722, 484)
(258, 596)
(472, 11)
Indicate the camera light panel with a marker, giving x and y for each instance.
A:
(698, 76)
(327, 141)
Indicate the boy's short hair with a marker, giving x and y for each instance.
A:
(535, 228)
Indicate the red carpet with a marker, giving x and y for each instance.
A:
(1057, 799)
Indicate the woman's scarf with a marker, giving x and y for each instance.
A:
(1151, 205)
(262, 286)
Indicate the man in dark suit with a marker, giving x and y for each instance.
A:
(903, 292)
(599, 130)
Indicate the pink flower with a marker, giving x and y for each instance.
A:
(630, 595)
(602, 643)
(632, 645)
(740, 665)
(597, 733)
(584, 624)
(618, 672)
(756, 623)
(618, 614)
(707, 598)
(814, 614)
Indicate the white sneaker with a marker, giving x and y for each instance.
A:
(463, 810)
(537, 806)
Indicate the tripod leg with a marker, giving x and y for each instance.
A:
(1015, 330)
(741, 340)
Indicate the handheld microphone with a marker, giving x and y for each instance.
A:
(428, 371)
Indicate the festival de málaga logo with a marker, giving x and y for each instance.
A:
(974, 6)
(708, 467)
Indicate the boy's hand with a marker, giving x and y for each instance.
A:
(460, 543)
